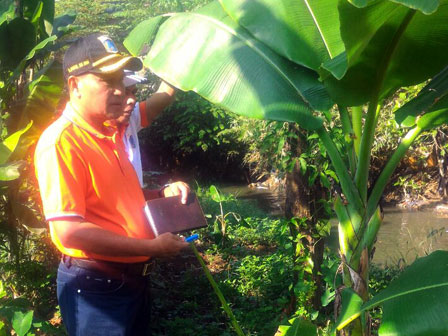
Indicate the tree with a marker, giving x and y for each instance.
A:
(292, 60)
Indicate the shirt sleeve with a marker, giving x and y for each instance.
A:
(61, 174)
(144, 122)
(138, 119)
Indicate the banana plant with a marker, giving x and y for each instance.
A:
(292, 60)
(30, 86)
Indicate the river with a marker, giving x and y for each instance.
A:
(404, 234)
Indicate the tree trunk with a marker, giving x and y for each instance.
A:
(440, 140)
(301, 202)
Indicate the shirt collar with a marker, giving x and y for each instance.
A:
(73, 116)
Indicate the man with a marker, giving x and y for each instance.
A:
(141, 115)
(92, 199)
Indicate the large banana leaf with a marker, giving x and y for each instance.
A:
(44, 94)
(7, 12)
(47, 17)
(416, 303)
(304, 31)
(141, 37)
(388, 46)
(62, 23)
(351, 308)
(297, 327)
(35, 52)
(10, 171)
(9, 145)
(425, 6)
(17, 39)
(429, 99)
(31, 7)
(209, 53)
(436, 117)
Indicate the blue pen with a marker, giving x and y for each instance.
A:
(192, 238)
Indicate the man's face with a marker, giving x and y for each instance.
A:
(129, 103)
(101, 96)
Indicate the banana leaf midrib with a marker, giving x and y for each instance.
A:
(374, 303)
(319, 29)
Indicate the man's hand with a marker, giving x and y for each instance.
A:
(168, 244)
(177, 188)
(91, 238)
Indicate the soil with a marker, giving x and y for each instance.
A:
(425, 197)
(181, 294)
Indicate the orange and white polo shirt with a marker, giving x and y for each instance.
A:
(84, 173)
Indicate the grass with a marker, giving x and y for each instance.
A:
(251, 263)
(251, 270)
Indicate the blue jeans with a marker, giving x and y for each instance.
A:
(94, 304)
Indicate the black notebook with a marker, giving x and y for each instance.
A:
(168, 214)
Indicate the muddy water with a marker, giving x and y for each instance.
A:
(271, 201)
(403, 236)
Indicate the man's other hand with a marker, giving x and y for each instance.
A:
(177, 188)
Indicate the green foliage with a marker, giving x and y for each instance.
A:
(382, 277)
(297, 327)
(273, 149)
(291, 101)
(28, 280)
(18, 318)
(411, 302)
(427, 110)
(426, 7)
(197, 134)
(261, 275)
(254, 273)
(118, 17)
(267, 145)
(220, 221)
(316, 31)
(372, 49)
(389, 132)
(29, 90)
(384, 43)
(409, 186)
(218, 292)
(29, 83)
(194, 309)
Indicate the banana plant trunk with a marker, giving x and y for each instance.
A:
(356, 276)
(358, 210)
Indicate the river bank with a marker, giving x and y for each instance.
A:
(411, 228)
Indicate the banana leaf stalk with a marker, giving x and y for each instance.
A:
(388, 170)
(218, 292)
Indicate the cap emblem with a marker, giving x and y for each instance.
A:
(108, 44)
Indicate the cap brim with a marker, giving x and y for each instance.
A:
(133, 79)
(119, 63)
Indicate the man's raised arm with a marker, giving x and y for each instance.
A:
(159, 101)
